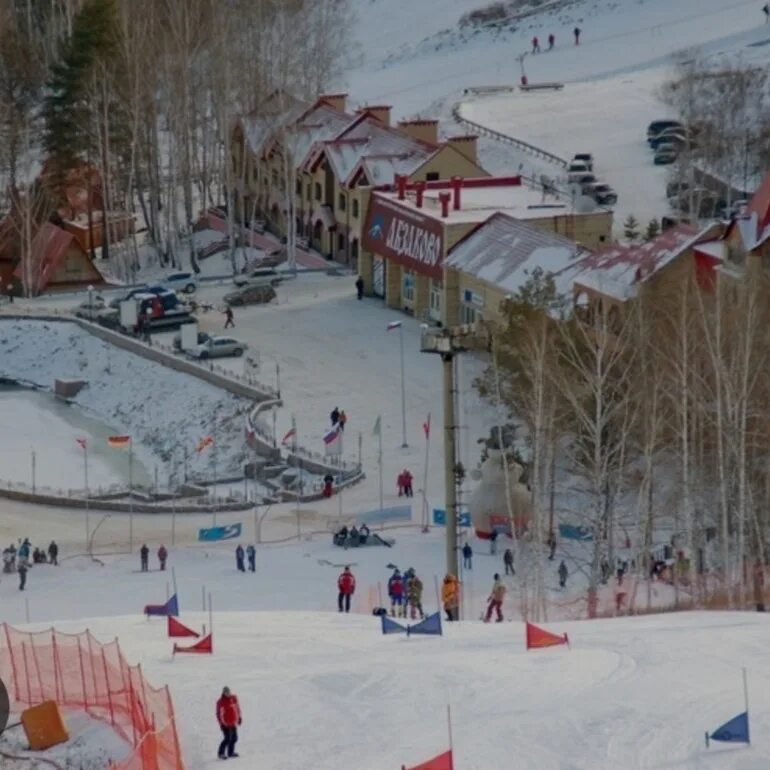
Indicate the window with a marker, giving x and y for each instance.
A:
(318, 191)
(355, 208)
(467, 313)
(432, 176)
(341, 202)
(408, 290)
(435, 300)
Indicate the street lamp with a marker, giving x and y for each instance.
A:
(398, 325)
(90, 302)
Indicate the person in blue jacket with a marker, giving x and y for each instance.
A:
(396, 594)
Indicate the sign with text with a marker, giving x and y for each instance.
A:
(212, 534)
(439, 518)
(406, 236)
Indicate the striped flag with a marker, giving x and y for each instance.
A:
(118, 442)
(393, 325)
(289, 434)
(203, 443)
(82, 442)
(426, 427)
(332, 436)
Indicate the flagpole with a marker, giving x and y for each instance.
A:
(449, 725)
(214, 459)
(403, 387)
(88, 512)
(379, 460)
(425, 511)
(131, 495)
(746, 702)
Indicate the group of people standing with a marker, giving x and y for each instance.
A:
(552, 40)
(20, 559)
(338, 417)
(144, 558)
(405, 592)
(404, 483)
(250, 553)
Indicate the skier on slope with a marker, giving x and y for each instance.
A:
(144, 556)
(346, 587)
(535, 45)
(251, 555)
(53, 553)
(508, 562)
(450, 596)
(239, 554)
(576, 32)
(551, 41)
(396, 594)
(229, 718)
(562, 574)
(496, 600)
(414, 589)
(162, 556)
(467, 556)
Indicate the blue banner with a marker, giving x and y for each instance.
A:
(575, 532)
(734, 731)
(390, 626)
(228, 532)
(439, 518)
(430, 626)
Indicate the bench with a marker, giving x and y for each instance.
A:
(542, 87)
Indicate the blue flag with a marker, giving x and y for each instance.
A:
(431, 625)
(390, 626)
(734, 731)
(228, 532)
(171, 607)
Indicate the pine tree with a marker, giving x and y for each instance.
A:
(68, 137)
(653, 230)
(631, 228)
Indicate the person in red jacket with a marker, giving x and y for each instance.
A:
(229, 718)
(162, 556)
(346, 584)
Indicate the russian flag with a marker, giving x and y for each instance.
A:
(393, 325)
(332, 435)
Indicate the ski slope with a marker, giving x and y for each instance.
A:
(329, 691)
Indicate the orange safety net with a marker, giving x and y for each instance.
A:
(77, 671)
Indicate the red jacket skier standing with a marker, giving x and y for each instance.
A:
(229, 718)
(346, 584)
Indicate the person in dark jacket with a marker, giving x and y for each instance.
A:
(22, 570)
(346, 586)
(551, 41)
(535, 45)
(162, 556)
(229, 718)
(239, 554)
(467, 556)
(360, 287)
(144, 556)
(229, 322)
(251, 555)
(562, 574)
(576, 33)
(53, 553)
(551, 543)
(508, 562)
(335, 416)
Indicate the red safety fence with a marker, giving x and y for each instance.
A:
(77, 671)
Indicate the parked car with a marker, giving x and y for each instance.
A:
(585, 158)
(251, 294)
(177, 341)
(665, 154)
(91, 309)
(582, 179)
(262, 276)
(602, 193)
(577, 167)
(218, 347)
(661, 125)
(156, 289)
(186, 282)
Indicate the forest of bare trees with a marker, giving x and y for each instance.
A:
(649, 427)
(147, 92)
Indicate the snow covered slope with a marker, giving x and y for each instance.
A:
(331, 692)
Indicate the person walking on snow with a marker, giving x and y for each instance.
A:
(467, 556)
(144, 556)
(496, 600)
(162, 556)
(229, 322)
(508, 561)
(53, 553)
(239, 558)
(346, 586)
(229, 718)
(251, 555)
(360, 287)
(576, 33)
(551, 41)
(493, 542)
(535, 45)
(335, 416)
(450, 597)
(24, 549)
(414, 590)
(396, 594)
(551, 543)
(408, 480)
(22, 570)
(562, 574)
(400, 483)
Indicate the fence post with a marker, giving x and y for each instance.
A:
(107, 684)
(56, 669)
(43, 695)
(82, 674)
(13, 663)
(26, 672)
(93, 667)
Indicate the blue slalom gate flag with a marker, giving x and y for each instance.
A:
(430, 626)
(228, 532)
(390, 626)
(171, 607)
(734, 731)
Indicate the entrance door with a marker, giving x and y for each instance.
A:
(378, 277)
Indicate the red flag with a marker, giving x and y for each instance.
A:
(82, 442)
(203, 443)
(539, 637)
(204, 646)
(288, 436)
(177, 629)
(426, 427)
(441, 762)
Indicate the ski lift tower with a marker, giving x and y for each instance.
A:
(448, 343)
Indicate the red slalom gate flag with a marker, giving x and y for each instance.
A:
(539, 637)
(177, 629)
(118, 442)
(441, 762)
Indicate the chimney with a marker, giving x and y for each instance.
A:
(419, 188)
(467, 145)
(379, 111)
(422, 130)
(457, 183)
(337, 101)
(444, 197)
(401, 186)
